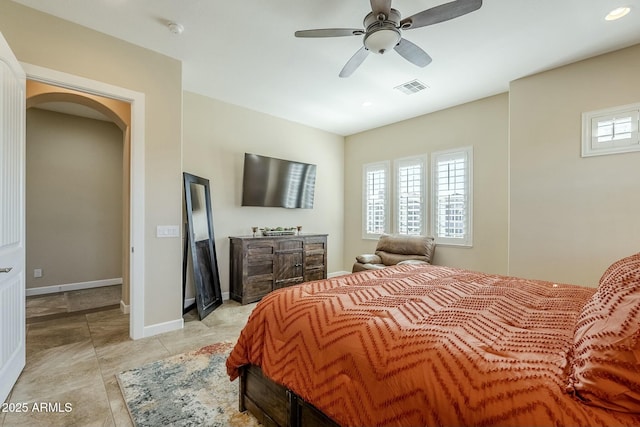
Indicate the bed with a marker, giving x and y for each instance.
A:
(422, 345)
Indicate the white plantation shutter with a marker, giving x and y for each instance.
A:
(452, 175)
(615, 128)
(376, 199)
(410, 196)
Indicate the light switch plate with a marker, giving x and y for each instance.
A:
(167, 231)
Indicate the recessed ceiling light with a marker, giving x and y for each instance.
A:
(367, 104)
(617, 13)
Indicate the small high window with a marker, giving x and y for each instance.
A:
(611, 131)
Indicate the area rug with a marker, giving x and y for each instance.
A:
(189, 389)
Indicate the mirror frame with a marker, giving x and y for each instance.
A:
(206, 285)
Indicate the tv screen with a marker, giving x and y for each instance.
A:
(277, 183)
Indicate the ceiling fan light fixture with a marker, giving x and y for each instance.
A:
(383, 31)
(382, 40)
(617, 13)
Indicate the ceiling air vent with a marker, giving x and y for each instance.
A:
(411, 87)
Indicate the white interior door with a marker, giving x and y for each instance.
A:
(12, 219)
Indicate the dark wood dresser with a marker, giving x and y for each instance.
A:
(259, 265)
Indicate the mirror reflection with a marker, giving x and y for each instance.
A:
(199, 212)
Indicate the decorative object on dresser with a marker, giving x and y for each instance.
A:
(278, 231)
(259, 265)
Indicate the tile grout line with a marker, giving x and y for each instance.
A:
(104, 385)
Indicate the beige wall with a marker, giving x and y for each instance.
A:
(46, 41)
(571, 216)
(74, 199)
(482, 124)
(216, 136)
(568, 217)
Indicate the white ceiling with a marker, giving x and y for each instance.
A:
(244, 52)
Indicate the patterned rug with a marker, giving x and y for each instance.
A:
(190, 389)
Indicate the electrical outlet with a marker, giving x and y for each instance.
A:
(37, 272)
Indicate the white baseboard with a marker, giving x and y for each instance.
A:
(73, 286)
(337, 273)
(161, 328)
(172, 325)
(124, 308)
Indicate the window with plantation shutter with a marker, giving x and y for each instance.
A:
(452, 197)
(610, 131)
(376, 199)
(410, 196)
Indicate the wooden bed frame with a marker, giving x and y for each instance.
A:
(274, 405)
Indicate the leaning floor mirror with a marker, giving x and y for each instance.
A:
(200, 244)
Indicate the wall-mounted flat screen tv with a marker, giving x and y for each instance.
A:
(272, 182)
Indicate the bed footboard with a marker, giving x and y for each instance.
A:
(275, 406)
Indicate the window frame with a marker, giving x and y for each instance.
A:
(592, 147)
(366, 169)
(467, 239)
(397, 165)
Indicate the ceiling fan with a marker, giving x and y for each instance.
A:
(383, 31)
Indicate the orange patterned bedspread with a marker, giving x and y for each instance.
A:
(424, 346)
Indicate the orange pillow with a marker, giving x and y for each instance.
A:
(606, 344)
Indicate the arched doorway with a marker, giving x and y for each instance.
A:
(119, 113)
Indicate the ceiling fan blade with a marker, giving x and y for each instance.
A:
(381, 6)
(354, 62)
(441, 13)
(412, 53)
(330, 32)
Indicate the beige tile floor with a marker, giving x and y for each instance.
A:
(49, 306)
(74, 360)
